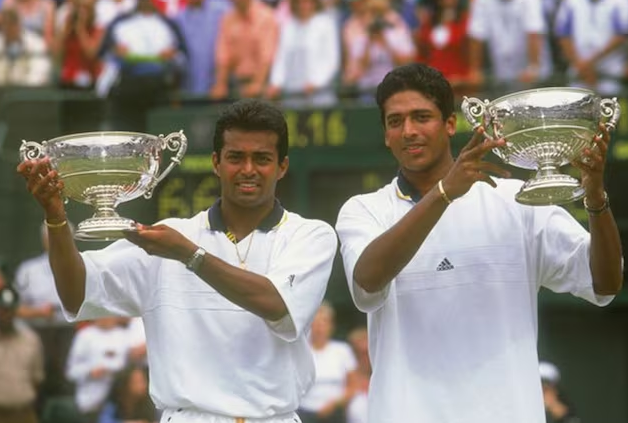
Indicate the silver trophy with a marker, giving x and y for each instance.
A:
(544, 130)
(104, 169)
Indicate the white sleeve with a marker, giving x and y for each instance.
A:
(300, 274)
(349, 360)
(278, 71)
(79, 362)
(563, 247)
(478, 26)
(534, 21)
(357, 227)
(322, 72)
(116, 282)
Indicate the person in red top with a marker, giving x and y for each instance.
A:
(442, 43)
(78, 44)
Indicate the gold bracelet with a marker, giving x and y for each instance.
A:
(601, 210)
(443, 194)
(55, 225)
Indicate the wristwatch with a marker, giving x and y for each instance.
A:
(195, 261)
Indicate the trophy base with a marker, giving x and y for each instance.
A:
(104, 228)
(550, 190)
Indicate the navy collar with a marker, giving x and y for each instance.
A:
(217, 223)
(406, 190)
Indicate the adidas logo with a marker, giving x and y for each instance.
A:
(445, 265)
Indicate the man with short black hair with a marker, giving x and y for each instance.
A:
(226, 296)
(449, 269)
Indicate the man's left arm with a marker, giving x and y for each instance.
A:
(606, 252)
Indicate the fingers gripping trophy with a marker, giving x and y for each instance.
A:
(104, 169)
(544, 129)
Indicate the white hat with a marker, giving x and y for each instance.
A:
(549, 372)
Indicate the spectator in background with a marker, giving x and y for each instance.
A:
(37, 16)
(515, 35)
(592, 36)
(98, 352)
(375, 43)
(129, 401)
(247, 41)
(77, 47)
(40, 308)
(24, 59)
(326, 401)
(357, 409)
(442, 43)
(557, 410)
(199, 23)
(145, 56)
(40, 303)
(308, 57)
(21, 364)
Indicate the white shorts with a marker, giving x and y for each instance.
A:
(192, 416)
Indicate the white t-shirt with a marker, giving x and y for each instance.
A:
(453, 337)
(332, 363)
(94, 348)
(36, 285)
(205, 352)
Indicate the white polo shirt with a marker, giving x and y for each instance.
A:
(204, 352)
(453, 337)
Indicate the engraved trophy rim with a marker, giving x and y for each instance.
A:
(85, 134)
(545, 128)
(522, 93)
(104, 194)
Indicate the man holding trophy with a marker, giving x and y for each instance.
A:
(448, 269)
(226, 296)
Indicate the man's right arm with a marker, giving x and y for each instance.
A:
(389, 253)
(67, 264)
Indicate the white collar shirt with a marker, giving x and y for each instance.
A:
(453, 337)
(206, 353)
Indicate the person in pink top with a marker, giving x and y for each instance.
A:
(245, 50)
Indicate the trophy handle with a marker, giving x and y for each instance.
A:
(610, 109)
(475, 111)
(175, 141)
(31, 150)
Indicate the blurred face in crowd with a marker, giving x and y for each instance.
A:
(305, 8)
(323, 324)
(241, 5)
(249, 167)
(138, 385)
(416, 133)
(358, 7)
(10, 26)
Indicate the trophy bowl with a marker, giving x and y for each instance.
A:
(104, 169)
(544, 129)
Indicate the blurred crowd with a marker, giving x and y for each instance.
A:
(311, 52)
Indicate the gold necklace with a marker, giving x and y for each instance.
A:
(246, 255)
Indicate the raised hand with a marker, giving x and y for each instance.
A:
(44, 184)
(162, 241)
(470, 167)
(591, 165)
